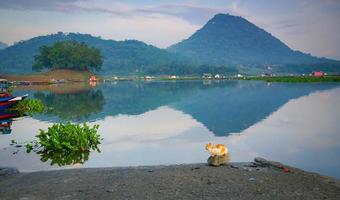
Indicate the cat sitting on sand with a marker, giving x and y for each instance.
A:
(216, 150)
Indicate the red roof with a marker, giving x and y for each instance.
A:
(93, 78)
(318, 73)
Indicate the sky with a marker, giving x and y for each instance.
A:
(311, 26)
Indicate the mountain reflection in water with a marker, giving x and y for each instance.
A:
(222, 107)
(152, 123)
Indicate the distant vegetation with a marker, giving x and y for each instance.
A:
(128, 57)
(68, 55)
(297, 79)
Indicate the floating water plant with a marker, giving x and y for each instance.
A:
(66, 144)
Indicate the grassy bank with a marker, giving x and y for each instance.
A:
(68, 88)
(52, 76)
(295, 79)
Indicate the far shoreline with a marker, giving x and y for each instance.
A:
(73, 76)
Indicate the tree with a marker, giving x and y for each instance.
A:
(68, 55)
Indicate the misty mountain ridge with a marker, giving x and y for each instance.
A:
(120, 57)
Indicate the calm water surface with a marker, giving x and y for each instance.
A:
(153, 123)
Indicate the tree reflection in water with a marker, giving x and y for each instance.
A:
(73, 106)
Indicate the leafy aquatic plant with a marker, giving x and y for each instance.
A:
(28, 106)
(67, 144)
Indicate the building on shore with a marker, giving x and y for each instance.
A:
(318, 73)
(93, 78)
(217, 76)
(207, 76)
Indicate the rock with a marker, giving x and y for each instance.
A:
(234, 166)
(218, 160)
(267, 163)
(251, 179)
(8, 171)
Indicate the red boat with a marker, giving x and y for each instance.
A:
(6, 104)
(4, 115)
(8, 101)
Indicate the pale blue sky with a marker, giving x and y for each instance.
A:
(311, 26)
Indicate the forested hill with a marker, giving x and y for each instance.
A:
(226, 44)
(227, 39)
(120, 57)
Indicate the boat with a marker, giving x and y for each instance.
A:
(4, 99)
(19, 98)
(8, 101)
(8, 115)
(6, 104)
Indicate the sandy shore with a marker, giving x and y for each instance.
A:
(256, 180)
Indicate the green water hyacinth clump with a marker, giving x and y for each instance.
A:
(66, 143)
(29, 106)
(70, 137)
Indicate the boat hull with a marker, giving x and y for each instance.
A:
(8, 104)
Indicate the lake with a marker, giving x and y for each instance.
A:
(162, 123)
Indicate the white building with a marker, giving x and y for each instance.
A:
(217, 76)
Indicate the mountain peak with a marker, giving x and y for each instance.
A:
(228, 39)
(226, 18)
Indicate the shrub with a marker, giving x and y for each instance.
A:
(68, 143)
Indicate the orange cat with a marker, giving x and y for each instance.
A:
(216, 150)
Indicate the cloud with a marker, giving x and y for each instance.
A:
(195, 14)
(286, 24)
(192, 13)
(57, 5)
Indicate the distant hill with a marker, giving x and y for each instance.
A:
(227, 39)
(3, 45)
(226, 44)
(120, 57)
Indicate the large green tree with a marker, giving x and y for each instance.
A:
(68, 55)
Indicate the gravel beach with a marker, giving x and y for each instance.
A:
(260, 179)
